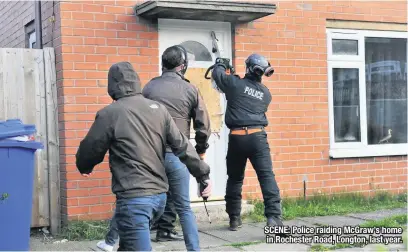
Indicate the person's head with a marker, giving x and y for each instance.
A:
(123, 81)
(258, 66)
(175, 59)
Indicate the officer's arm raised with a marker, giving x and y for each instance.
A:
(221, 78)
(182, 148)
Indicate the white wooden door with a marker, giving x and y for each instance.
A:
(195, 36)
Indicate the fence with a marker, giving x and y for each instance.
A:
(28, 91)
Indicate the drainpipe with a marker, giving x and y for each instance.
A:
(38, 25)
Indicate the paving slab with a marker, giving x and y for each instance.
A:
(39, 245)
(222, 248)
(296, 222)
(376, 248)
(206, 242)
(247, 233)
(276, 247)
(378, 215)
(336, 221)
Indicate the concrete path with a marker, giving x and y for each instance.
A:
(251, 237)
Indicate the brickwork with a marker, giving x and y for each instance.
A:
(96, 34)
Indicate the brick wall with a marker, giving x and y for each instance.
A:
(15, 15)
(96, 34)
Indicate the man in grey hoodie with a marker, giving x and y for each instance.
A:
(136, 131)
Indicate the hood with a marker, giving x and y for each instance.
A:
(123, 81)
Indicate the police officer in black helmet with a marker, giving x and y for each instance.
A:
(248, 100)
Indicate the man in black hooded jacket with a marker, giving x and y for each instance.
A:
(136, 131)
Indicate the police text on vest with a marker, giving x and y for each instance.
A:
(254, 93)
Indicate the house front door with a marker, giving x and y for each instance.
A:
(195, 36)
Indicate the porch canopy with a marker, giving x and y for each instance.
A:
(203, 10)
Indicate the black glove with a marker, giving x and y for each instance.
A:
(201, 148)
(203, 185)
(223, 62)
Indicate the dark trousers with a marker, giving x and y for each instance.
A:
(254, 147)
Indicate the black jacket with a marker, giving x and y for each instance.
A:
(184, 102)
(248, 99)
(136, 131)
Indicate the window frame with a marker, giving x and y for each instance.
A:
(357, 149)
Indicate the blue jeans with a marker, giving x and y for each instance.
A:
(112, 236)
(179, 182)
(133, 217)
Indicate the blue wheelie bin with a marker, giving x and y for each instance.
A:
(16, 185)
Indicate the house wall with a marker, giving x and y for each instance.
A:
(15, 15)
(96, 34)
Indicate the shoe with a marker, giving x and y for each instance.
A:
(275, 221)
(235, 223)
(162, 235)
(105, 247)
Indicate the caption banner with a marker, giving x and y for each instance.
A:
(333, 235)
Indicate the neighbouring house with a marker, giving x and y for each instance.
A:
(338, 117)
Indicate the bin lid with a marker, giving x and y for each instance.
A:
(17, 144)
(14, 127)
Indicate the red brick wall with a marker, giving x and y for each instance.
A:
(96, 34)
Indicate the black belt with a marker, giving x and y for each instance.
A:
(247, 127)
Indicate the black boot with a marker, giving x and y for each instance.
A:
(235, 223)
(275, 221)
(163, 235)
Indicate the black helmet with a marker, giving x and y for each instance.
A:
(258, 65)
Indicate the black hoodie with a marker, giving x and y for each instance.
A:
(136, 131)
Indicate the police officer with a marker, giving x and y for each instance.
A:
(248, 100)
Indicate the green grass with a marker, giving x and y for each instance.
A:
(393, 221)
(320, 247)
(85, 230)
(339, 204)
(242, 244)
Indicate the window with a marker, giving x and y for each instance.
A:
(29, 31)
(31, 40)
(196, 51)
(367, 93)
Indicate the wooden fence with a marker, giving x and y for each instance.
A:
(28, 91)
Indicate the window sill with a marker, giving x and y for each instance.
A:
(370, 151)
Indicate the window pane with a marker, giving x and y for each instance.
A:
(346, 103)
(345, 47)
(196, 51)
(386, 84)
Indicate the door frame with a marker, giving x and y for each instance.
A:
(225, 50)
(182, 24)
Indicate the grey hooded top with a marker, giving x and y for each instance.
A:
(136, 131)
